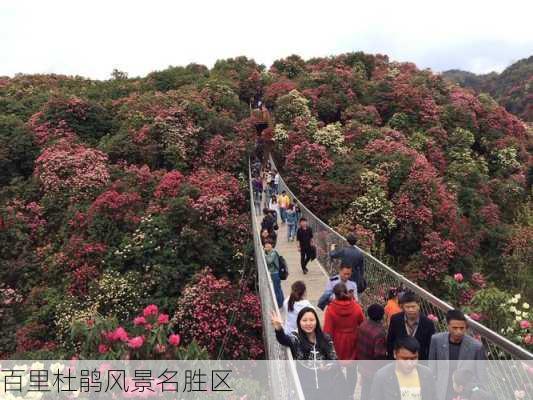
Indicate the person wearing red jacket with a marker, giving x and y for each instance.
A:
(341, 321)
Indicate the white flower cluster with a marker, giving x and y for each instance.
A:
(139, 239)
(519, 312)
(280, 133)
(331, 136)
(372, 210)
(290, 106)
(506, 159)
(114, 294)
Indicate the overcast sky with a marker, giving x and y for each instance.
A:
(91, 38)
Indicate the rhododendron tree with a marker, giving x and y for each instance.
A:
(437, 255)
(331, 136)
(219, 192)
(276, 90)
(308, 158)
(224, 318)
(290, 106)
(169, 185)
(73, 169)
(222, 154)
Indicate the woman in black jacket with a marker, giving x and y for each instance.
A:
(319, 373)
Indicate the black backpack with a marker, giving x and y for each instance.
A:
(283, 270)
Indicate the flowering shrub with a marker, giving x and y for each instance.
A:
(76, 170)
(507, 314)
(290, 106)
(169, 185)
(505, 161)
(149, 337)
(47, 132)
(118, 207)
(331, 136)
(225, 155)
(113, 294)
(276, 90)
(280, 134)
(178, 133)
(437, 254)
(219, 192)
(308, 158)
(223, 318)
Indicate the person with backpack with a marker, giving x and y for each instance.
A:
(273, 264)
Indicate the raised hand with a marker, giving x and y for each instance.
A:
(276, 321)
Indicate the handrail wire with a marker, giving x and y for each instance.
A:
(284, 380)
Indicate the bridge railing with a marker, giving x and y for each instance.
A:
(380, 278)
(283, 377)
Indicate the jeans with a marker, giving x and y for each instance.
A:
(283, 212)
(291, 231)
(276, 282)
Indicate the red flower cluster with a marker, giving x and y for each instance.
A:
(169, 185)
(219, 194)
(73, 169)
(213, 311)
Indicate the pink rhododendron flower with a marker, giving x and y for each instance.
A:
(174, 339)
(102, 348)
(150, 310)
(458, 277)
(163, 319)
(525, 324)
(136, 342)
(139, 321)
(119, 334)
(433, 317)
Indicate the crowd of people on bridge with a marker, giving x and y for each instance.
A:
(332, 356)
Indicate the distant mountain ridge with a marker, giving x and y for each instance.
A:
(513, 88)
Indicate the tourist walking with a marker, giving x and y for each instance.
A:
(304, 236)
(371, 346)
(460, 351)
(293, 305)
(352, 256)
(410, 322)
(272, 259)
